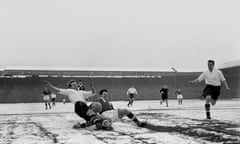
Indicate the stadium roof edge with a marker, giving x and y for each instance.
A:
(230, 64)
(143, 69)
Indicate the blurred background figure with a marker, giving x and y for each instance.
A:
(131, 92)
(164, 94)
(46, 98)
(64, 100)
(53, 98)
(179, 95)
(81, 85)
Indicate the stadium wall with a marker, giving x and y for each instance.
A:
(232, 76)
(23, 90)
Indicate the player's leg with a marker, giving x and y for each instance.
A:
(132, 99)
(166, 102)
(207, 106)
(213, 102)
(129, 101)
(82, 110)
(96, 119)
(53, 101)
(162, 99)
(49, 104)
(207, 94)
(130, 115)
(46, 105)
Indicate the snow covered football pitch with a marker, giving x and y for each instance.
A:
(177, 124)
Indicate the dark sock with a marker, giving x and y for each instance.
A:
(133, 117)
(207, 108)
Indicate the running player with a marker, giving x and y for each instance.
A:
(213, 78)
(164, 95)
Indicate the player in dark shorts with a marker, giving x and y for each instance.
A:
(213, 79)
(164, 95)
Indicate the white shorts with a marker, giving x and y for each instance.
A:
(53, 95)
(179, 96)
(111, 114)
(46, 98)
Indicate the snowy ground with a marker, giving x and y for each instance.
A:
(176, 124)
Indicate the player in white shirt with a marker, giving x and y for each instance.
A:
(78, 98)
(46, 98)
(179, 96)
(131, 92)
(213, 79)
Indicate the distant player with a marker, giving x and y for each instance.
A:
(179, 95)
(53, 97)
(131, 92)
(213, 78)
(164, 94)
(46, 98)
(107, 110)
(78, 97)
(80, 85)
(64, 100)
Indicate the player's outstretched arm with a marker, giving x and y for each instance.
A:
(194, 81)
(48, 84)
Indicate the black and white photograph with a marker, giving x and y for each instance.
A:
(119, 72)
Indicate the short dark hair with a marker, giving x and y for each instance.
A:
(211, 61)
(102, 91)
(69, 84)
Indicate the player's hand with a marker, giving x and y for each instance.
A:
(228, 88)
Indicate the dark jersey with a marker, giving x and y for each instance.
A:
(164, 90)
(105, 105)
(164, 93)
(46, 92)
